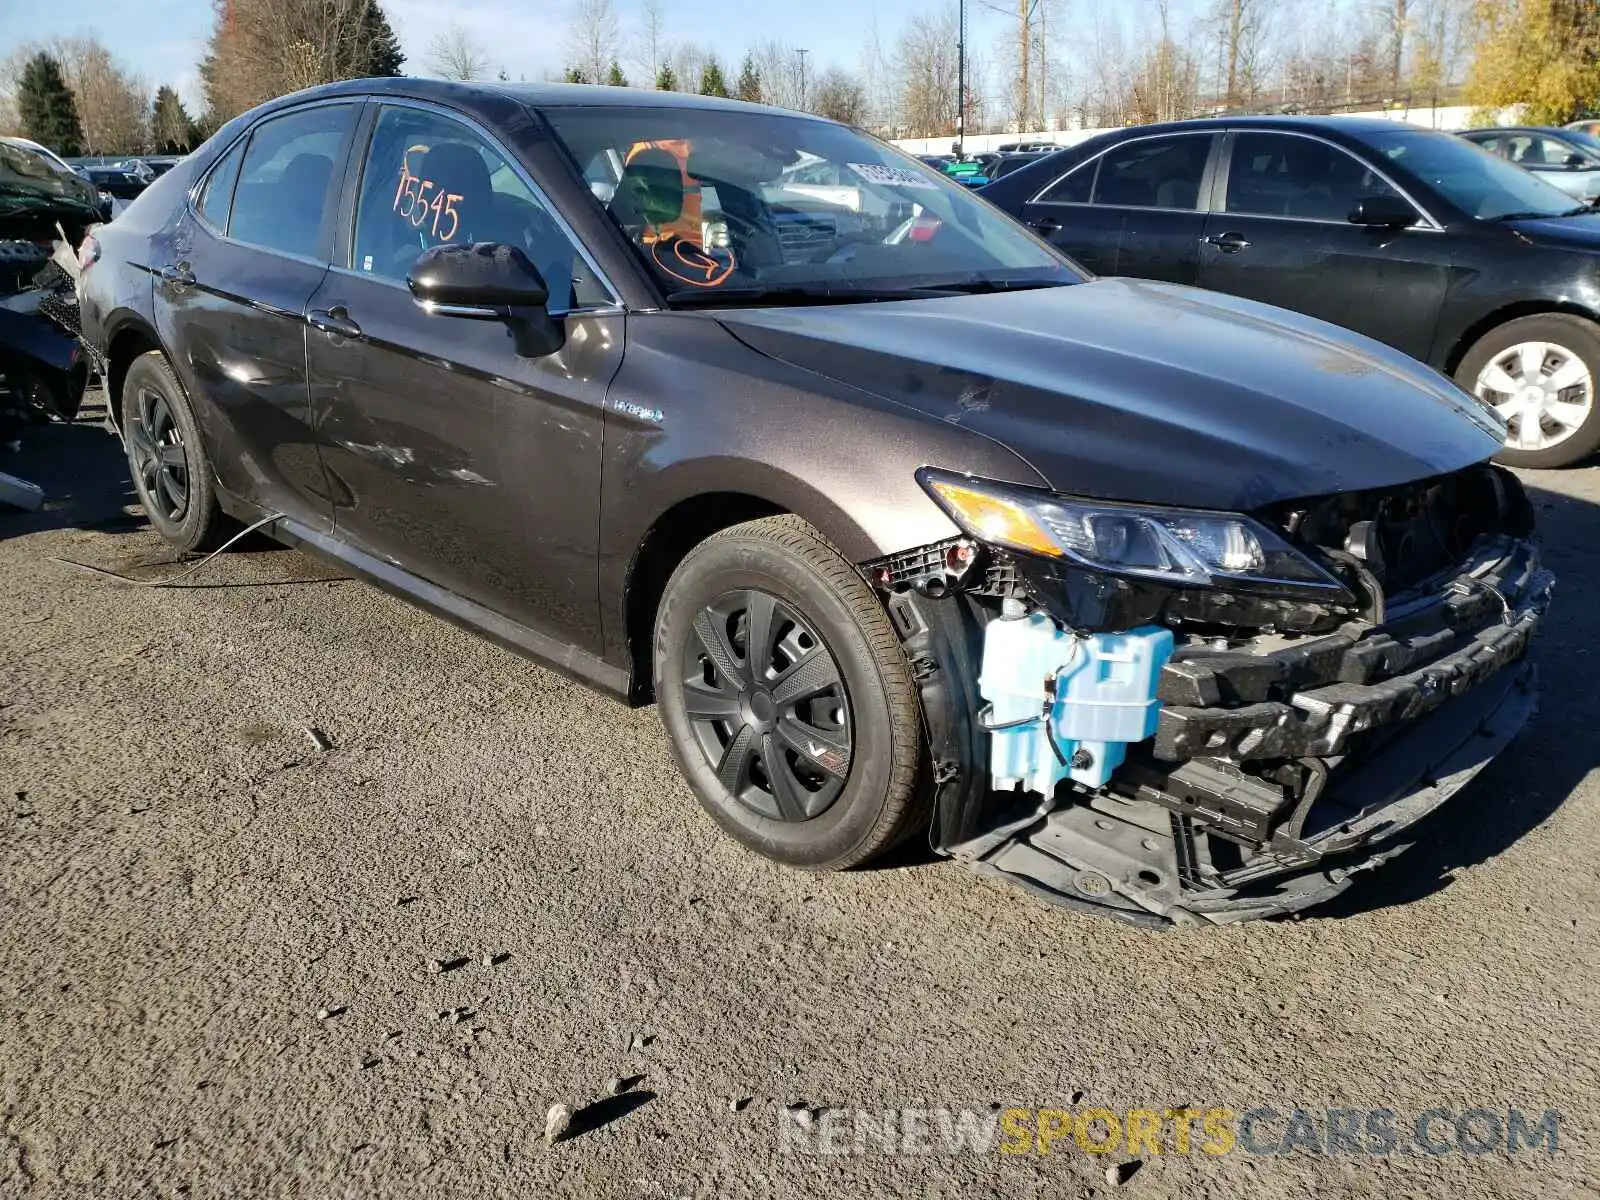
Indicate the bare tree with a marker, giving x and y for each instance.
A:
(455, 54)
(1104, 99)
(592, 37)
(880, 115)
(839, 96)
(925, 62)
(1167, 85)
(112, 102)
(779, 66)
(688, 61)
(652, 39)
(1245, 35)
(263, 48)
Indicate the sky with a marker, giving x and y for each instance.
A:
(163, 40)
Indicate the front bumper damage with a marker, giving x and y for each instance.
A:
(1280, 767)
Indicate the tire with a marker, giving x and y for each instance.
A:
(171, 471)
(840, 715)
(1571, 352)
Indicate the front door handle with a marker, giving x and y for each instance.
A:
(178, 273)
(1228, 243)
(335, 321)
(1045, 226)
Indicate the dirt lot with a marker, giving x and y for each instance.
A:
(218, 941)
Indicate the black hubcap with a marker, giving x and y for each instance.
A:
(159, 459)
(768, 705)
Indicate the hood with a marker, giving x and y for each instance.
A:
(1570, 233)
(1130, 390)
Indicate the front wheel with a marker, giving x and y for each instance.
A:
(1540, 373)
(787, 698)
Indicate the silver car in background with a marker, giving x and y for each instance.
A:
(1568, 158)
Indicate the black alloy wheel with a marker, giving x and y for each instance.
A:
(159, 456)
(768, 705)
(787, 698)
(167, 456)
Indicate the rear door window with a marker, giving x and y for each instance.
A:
(1281, 175)
(1160, 172)
(289, 179)
(217, 195)
(1072, 188)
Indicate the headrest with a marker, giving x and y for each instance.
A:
(651, 187)
(307, 175)
(457, 167)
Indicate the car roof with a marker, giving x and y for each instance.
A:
(1335, 123)
(535, 95)
(1494, 129)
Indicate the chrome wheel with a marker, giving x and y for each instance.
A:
(768, 706)
(1543, 390)
(160, 461)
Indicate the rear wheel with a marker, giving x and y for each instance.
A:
(1541, 374)
(787, 698)
(170, 469)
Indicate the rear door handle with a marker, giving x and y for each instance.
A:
(1228, 243)
(335, 321)
(177, 273)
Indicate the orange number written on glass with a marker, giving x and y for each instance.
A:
(411, 201)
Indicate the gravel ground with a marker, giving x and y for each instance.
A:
(220, 944)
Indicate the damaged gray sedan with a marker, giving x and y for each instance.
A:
(1155, 602)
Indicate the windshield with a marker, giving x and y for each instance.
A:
(1474, 180)
(729, 206)
(1586, 143)
(27, 174)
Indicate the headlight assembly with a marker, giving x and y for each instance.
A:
(1193, 547)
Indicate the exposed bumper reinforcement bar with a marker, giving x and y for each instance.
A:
(1321, 721)
(1098, 856)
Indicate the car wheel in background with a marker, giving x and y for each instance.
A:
(787, 697)
(1542, 374)
(170, 469)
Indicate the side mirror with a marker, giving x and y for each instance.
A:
(488, 281)
(1383, 211)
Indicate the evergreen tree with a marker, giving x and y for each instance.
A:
(380, 46)
(666, 79)
(171, 129)
(615, 77)
(711, 81)
(46, 106)
(576, 75)
(749, 87)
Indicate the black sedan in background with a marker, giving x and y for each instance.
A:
(1416, 238)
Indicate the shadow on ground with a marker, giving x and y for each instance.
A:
(83, 472)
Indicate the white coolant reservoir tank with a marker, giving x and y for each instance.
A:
(1095, 693)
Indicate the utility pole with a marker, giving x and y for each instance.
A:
(961, 79)
(1233, 53)
(801, 54)
(1044, 67)
(1024, 27)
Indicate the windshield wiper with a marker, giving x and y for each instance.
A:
(794, 294)
(1544, 216)
(972, 287)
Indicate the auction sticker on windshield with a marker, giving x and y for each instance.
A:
(891, 176)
